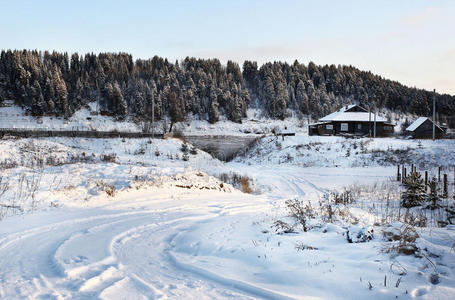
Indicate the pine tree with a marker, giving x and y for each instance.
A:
(434, 194)
(119, 103)
(279, 105)
(268, 95)
(414, 195)
(61, 94)
(177, 112)
(213, 113)
(301, 97)
(38, 105)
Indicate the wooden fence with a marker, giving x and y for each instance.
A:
(441, 174)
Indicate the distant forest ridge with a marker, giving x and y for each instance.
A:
(53, 83)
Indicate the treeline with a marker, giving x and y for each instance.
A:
(57, 84)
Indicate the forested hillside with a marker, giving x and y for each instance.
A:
(56, 83)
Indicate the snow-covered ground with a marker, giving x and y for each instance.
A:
(149, 219)
(332, 151)
(82, 120)
(87, 118)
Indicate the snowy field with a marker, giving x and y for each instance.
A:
(152, 219)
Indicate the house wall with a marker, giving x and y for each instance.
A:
(363, 130)
(352, 129)
(425, 131)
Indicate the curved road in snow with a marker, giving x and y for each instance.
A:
(125, 249)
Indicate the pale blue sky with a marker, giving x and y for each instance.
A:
(412, 41)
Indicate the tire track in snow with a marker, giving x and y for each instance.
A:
(58, 240)
(135, 255)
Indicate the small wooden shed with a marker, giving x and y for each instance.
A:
(422, 128)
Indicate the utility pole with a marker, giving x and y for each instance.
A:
(153, 116)
(369, 119)
(374, 128)
(434, 113)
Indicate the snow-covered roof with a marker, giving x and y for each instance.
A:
(318, 123)
(341, 110)
(419, 122)
(416, 123)
(342, 115)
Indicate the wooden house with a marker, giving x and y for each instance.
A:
(351, 120)
(422, 128)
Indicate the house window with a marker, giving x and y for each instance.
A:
(388, 128)
(344, 127)
(359, 126)
(329, 127)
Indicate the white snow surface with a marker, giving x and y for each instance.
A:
(82, 120)
(149, 224)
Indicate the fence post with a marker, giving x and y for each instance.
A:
(412, 168)
(439, 174)
(398, 173)
(402, 173)
(445, 194)
(426, 179)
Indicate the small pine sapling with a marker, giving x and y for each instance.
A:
(414, 195)
(433, 197)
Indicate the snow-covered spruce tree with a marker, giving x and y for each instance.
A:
(120, 106)
(61, 94)
(281, 95)
(38, 105)
(177, 107)
(213, 112)
(301, 98)
(434, 196)
(414, 194)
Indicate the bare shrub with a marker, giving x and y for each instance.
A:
(245, 185)
(301, 212)
(283, 227)
(4, 185)
(300, 246)
(140, 150)
(242, 182)
(111, 158)
(8, 164)
(402, 240)
(83, 157)
(109, 189)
